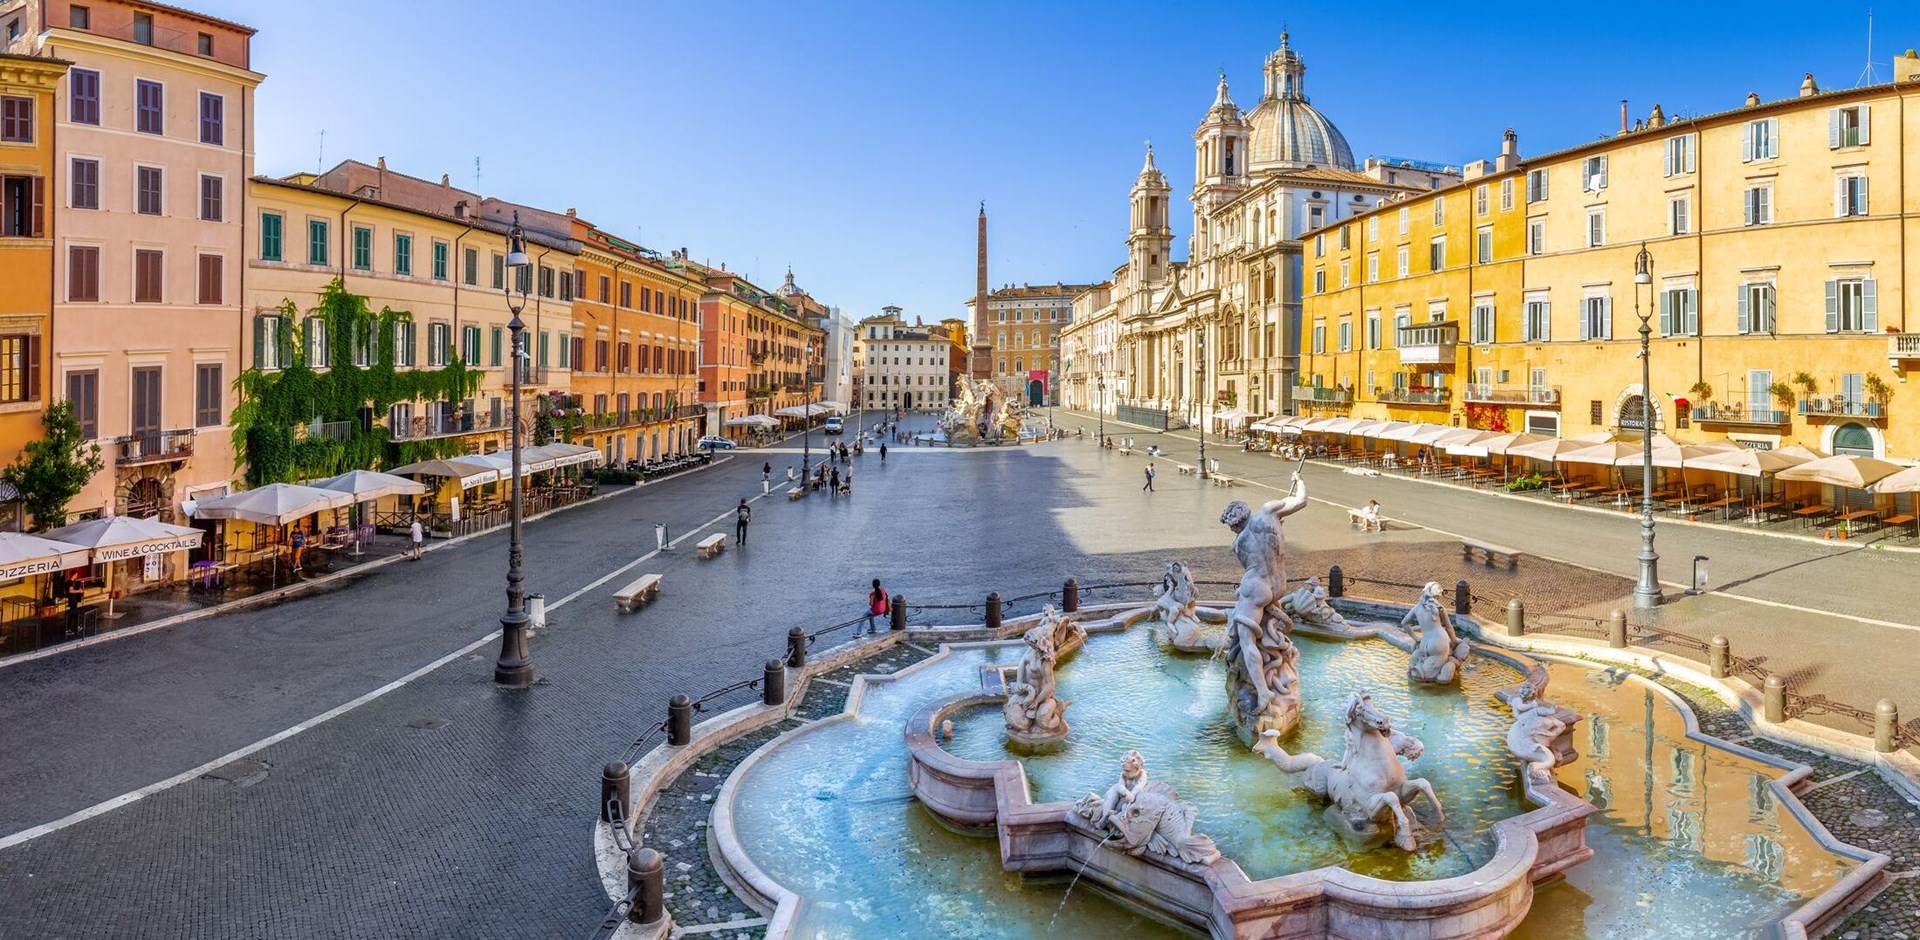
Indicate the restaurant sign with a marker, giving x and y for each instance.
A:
(43, 566)
(178, 543)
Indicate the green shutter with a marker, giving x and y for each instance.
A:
(1666, 313)
(259, 343)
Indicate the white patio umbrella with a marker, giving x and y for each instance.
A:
(274, 504)
(22, 555)
(1546, 448)
(469, 472)
(1341, 426)
(1610, 454)
(1384, 428)
(368, 485)
(1745, 461)
(1502, 445)
(1900, 481)
(791, 411)
(502, 461)
(1842, 470)
(565, 455)
(117, 538)
(1429, 433)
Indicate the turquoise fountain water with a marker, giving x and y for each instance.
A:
(1689, 838)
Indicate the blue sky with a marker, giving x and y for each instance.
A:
(855, 141)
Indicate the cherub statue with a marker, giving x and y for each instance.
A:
(1309, 606)
(1065, 631)
(1438, 653)
(1033, 714)
(1101, 810)
(1177, 610)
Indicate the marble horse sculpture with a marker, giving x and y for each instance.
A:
(1034, 715)
(1147, 817)
(1263, 691)
(1368, 788)
(1177, 610)
(1438, 652)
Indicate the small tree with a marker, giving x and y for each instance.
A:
(51, 471)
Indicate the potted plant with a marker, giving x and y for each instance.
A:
(1782, 395)
(1877, 394)
(1700, 391)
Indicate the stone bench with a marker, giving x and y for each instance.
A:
(1186, 468)
(1221, 479)
(1359, 517)
(795, 493)
(645, 589)
(711, 545)
(1491, 551)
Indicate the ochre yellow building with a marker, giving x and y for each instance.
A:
(27, 87)
(636, 317)
(1781, 244)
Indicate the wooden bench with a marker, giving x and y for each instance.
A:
(796, 493)
(637, 593)
(711, 545)
(1186, 469)
(1491, 551)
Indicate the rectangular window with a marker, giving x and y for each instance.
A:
(1596, 227)
(1760, 391)
(1346, 241)
(213, 117)
(1319, 247)
(1373, 329)
(1536, 186)
(1506, 194)
(1480, 199)
(1439, 211)
(439, 261)
(1536, 236)
(205, 44)
(439, 344)
(470, 345)
(1852, 306)
(1679, 155)
(266, 343)
(83, 273)
(1345, 275)
(523, 279)
(1680, 312)
(211, 269)
(314, 329)
(1847, 127)
(1373, 229)
(1593, 174)
(1437, 253)
(362, 248)
(317, 242)
(365, 342)
(1756, 308)
(20, 368)
(1400, 261)
(1760, 140)
(148, 265)
(404, 337)
(83, 96)
(144, 407)
(213, 191)
(79, 17)
(16, 119)
(1480, 325)
(495, 342)
(1537, 324)
(605, 288)
(270, 235)
(1483, 245)
(147, 190)
(149, 105)
(85, 190)
(403, 254)
(1596, 318)
(1403, 220)
(1680, 215)
(1850, 195)
(546, 281)
(566, 285)
(1373, 267)
(1346, 336)
(1319, 337)
(143, 28)
(1758, 205)
(499, 272)
(471, 258)
(83, 389)
(1319, 282)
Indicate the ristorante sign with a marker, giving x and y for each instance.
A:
(142, 549)
(43, 566)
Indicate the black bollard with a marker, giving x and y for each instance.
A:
(1070, 596)
(993, 611)
(1336, 582)
(899, 610)
(773, 684)
(1462, 598)
(616, 792)
(797, 648)
(680, 720)
(647, 879)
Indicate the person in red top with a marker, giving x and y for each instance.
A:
(876, 606)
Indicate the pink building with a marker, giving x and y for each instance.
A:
(154, 143)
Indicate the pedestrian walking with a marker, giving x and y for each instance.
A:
(419, 537)
(834, 481)
(766, 472)
(299, 540)
(883, 451)
(1149, 487)
(876, 606)
(741, 516)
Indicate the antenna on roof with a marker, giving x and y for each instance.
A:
(1869, 75)
(320, 162)
(476, 174)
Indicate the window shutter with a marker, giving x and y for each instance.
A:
(1667, 167)
(1863, 124)
(1692, 298)
(1833, 128)
(1690, 139)
(1606, 318)
(1746, 145)
(33, 367)
(36, 224)
(1841, 204)
(1860, 196)
(1833, 306)
(1586, 319)
(1746, 309)
(260, 342)
(1753, 196)
(1767, 301)
(1870, 305)
(1666, 313)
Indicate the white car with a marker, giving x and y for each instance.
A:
(835, 425)
(711, 442)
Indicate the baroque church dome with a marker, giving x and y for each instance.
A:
(1288, 132)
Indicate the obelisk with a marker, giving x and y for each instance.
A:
(982, 354)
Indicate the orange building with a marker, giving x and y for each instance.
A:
(755, 349)
(636, 341)
(27, 86)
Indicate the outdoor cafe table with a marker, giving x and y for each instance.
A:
(1756, 510)
(1724, 503)
(1809, 513)
(1864, 515)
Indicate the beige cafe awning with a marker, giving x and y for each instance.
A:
(23, 555)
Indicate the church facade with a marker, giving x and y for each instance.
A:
(1216, 337)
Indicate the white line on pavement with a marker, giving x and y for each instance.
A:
(107, 806)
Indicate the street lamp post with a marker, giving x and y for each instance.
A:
(806, 416)
(1100, 407)
(1199, 390)
(515, 666)
(1646, 592)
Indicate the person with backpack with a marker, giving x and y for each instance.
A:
(1149, 487)
(876, 606)
(741, 516)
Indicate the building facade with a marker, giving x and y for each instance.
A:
(1219, 331)
(28, 87)
(1776, 298)
(760, 353)
(1023, 326)
(636, 336)
(153, 148)
(906, 368)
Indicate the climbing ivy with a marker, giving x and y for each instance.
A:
(269, 425)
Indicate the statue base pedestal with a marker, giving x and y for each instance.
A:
(1359, 835)
(1030, 742)
(1282, 715)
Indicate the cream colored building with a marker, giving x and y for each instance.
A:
(1024, 326)
(902, 367)
(154, 145)
(1779, 235)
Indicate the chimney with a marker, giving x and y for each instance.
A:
(1509, 152)
(1623, 117)
(1906, 68)
(380, 163)
(445, 183)
(1808, 88)
(1753, 99)
(1658, 118)
(460, 209)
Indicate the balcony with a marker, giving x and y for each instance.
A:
(340, 431)
(1429, 344)
(1837, 406)
(1312, 396)
(1736, 413)
(1477, 393)
(151, 447)
(1902, 346)
(426, 427)
(1415, 395)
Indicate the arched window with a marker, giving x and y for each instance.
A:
(1000, 338)
(1019, 364)
(1019, 338)
(1002, 367)
(1853, 439)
